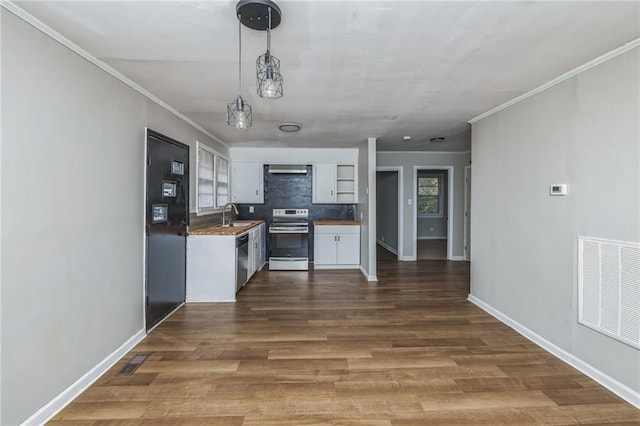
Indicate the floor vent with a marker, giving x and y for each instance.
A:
(609, 288)
(133, 365)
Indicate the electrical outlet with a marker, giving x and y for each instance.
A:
(251, 209)
(409, 201)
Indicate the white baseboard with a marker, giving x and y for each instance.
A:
(458, 258)
(387, 247)
(433, 238)
(367, 276)
(45, 414)
(620, 389)
(409, 258)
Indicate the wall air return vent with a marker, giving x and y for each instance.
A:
(609, 288)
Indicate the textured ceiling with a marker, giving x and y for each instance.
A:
(352, 69)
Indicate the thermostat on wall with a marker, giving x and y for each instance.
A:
(558, 189)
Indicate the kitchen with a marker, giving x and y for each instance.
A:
(297, 217)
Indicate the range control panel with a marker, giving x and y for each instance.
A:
(291, 213)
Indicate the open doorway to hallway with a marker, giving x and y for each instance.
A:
(389, 210)
(432, 213)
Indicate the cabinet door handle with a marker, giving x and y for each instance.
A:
(332, 192)
(256, 192)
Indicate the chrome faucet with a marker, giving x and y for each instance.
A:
(225, 208)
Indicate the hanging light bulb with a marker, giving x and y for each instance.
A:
(239, 114)
(238, 111)
(269, 78)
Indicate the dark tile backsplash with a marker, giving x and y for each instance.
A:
(294, 191)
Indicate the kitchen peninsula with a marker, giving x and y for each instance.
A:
(222, 259)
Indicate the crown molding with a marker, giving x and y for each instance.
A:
(35, 22)
(425, 152)
(572, 73)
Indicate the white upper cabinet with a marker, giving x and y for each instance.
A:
(334, 183)
(247, 183)
(324, 183)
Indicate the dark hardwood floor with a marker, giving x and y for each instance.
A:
(329, 348)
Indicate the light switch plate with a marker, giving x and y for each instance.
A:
(251, 209)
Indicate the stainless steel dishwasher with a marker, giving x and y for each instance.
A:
(242, 263)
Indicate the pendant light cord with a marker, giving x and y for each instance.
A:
(239, 53)
(269, 32)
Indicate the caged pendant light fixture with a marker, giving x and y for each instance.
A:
(269, 79)
(238, 111)
(264, 15)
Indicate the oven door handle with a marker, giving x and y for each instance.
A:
(288, 230)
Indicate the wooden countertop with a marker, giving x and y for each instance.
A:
(335, 222)
(227, 230)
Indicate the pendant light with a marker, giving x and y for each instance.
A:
(269, 79)
(238, 111)
(264, 15)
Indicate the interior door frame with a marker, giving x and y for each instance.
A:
(144, 228)
(467, 219)
(450, 212)
(399, 170)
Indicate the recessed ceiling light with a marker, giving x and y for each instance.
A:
(289, 127)
(407, 138)
(437, 139)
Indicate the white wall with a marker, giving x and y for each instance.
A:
(408, 160)
(366, 207)
(72, 215)
(584, 132)
(1, 12)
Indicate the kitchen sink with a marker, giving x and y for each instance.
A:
(241, 224)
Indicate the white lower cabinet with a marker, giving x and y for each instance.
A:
(211, 268)
(211, 265)
(257, 242)
(336, 247)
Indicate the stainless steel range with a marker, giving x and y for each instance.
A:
(289, 235)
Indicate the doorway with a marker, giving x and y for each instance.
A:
(389, 232)
(433, 212)
(467, 213)
(167, 215)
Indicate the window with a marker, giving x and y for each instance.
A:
(212, 185)
(430, 196)
(222, 181)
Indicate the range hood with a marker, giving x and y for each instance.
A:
(287, 168)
